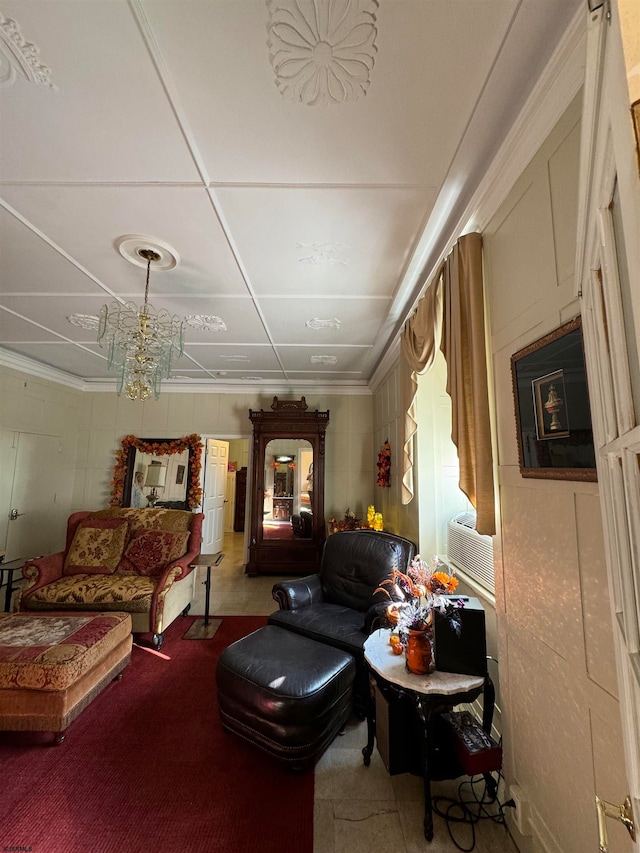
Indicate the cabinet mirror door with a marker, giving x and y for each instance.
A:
(288, 489)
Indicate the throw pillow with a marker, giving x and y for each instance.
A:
(151, 551)
(97, 546)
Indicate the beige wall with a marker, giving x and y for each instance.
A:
(93, 424)
(38, 406)
(560, 715)
(349, 465)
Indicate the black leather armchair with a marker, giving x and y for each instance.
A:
(332, 606)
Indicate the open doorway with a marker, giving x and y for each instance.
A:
(224, 484)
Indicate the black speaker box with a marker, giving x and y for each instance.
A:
(466, 653)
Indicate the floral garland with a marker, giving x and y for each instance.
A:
(384, 466)
(192, 443)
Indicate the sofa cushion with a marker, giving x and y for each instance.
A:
(97, 546)
(173, 520)
(151, 551)
(132, 593)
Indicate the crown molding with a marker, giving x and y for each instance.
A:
(196, 386)
(42, 371)
(391, 355)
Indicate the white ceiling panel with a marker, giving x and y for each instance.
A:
(248, 132)
(239, 358)
(107, 92)
(286, 200)
(359, 320)
(28, 264)
(183, 217)
(328, 242)
(51, 312)
(14, 329)
(347, 358)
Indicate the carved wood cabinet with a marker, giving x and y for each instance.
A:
(287, 489)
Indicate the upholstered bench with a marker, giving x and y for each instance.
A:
(286, 694)
(53, 665)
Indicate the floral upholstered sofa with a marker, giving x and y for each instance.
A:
(121, 559)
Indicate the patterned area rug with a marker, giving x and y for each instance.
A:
(147, 767)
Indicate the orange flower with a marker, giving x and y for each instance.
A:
(445, 580)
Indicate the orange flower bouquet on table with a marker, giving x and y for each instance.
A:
(418, 593)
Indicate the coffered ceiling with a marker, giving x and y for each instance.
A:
(294, 154)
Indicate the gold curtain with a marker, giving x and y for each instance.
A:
(418, 346)
(464, 348)
(458, 289)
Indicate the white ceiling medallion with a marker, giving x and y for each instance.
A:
(323, 359)
(323, 324)
(206, 322)
(17, 54)
(130, 244)
(85, 321)
(322, 51)
(320, 253)
(234, 357)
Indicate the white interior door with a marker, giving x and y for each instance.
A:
(609, 277)
(36, 477)
(215, 485)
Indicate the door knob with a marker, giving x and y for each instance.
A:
(15, 514)
(623, 813)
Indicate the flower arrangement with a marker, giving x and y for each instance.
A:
(193, 443)
(418, 593)
(349, 522)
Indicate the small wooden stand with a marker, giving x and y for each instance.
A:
(205, 629)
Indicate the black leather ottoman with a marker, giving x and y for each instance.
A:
(286, 694)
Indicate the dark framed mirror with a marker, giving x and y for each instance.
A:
(287, 489)
(158, 472)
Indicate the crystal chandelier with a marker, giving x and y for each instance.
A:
(142, 342)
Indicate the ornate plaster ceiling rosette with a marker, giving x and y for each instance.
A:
(206, 322)
(317, 323)
(322, 51)
(84, 321)
(320, 253)
(16, 53)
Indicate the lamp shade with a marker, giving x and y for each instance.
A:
(156, 475)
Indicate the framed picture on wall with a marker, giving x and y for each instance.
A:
(180, 475)
(553, 415)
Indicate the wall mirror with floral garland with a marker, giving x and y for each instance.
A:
(158, 472)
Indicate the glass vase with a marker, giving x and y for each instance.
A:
(420, 651)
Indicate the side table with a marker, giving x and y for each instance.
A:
(426, 692)
(10, 567)
(202, 629)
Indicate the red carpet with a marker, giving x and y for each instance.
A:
(277, 530)
(147, 768)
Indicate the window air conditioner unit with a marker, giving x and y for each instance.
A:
(469, 550)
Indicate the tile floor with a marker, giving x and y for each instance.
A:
(358, 809)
